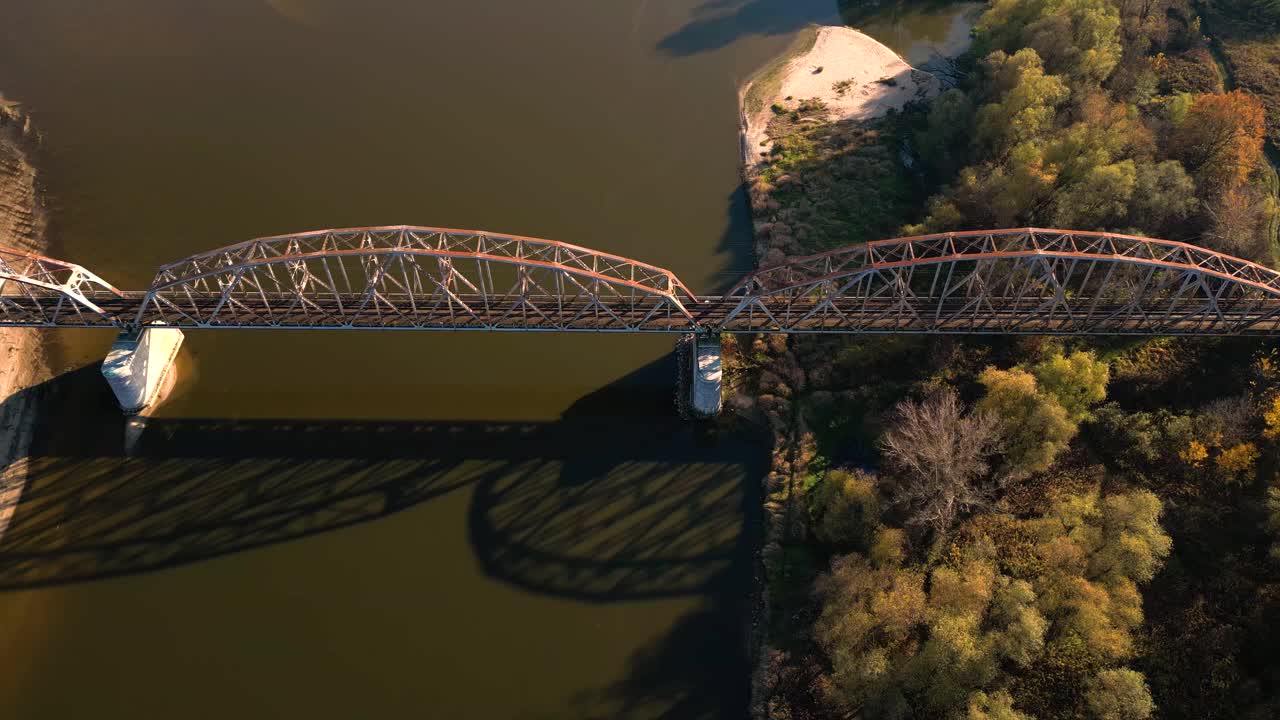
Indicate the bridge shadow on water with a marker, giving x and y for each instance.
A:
(598, 506)
(617, 501)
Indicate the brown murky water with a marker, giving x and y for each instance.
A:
(354, 524)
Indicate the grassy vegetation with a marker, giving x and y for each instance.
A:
(828, 184)
(762, 87)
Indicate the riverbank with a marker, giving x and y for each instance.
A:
(22, 226)
(850, 74)
(822, 168)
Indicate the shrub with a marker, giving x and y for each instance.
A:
(844, 510)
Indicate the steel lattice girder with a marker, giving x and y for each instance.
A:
(999, 281)
(1012, 281)
(43, 292)
(416, 278)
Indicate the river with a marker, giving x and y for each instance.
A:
(338, 525)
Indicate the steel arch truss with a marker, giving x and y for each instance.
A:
(1012, 281)
(36, 291)
(415, 278)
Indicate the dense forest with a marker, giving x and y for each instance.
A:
(1030, 527)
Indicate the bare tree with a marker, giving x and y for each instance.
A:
(937, 456)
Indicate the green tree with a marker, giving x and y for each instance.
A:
(1164, 196)
(1077, 382)
(1133, 545)
(1078, 38)
(996, 194)
(1099, 200)
(948, 134)
(1025, 100)
(1119, 695)
(1004, 23)
(1145, 445)
(1036, 427)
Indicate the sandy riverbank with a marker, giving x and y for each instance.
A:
(22, 226)
(854, 75)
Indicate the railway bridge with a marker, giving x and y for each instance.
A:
(1024, 280)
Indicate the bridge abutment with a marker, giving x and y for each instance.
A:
(706, 371)
(140, 366)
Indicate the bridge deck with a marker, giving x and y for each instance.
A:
(707, 313)
(1020, 280)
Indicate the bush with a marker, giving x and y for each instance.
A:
(844, 510)
(1119, 695)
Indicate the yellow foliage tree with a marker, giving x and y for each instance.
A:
(1194, 454)
(1237, 461)
(1036, 426)
(1271, 418)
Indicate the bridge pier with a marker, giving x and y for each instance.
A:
(705, 368)
(140, 365)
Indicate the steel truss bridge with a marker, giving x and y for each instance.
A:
(1026, 280)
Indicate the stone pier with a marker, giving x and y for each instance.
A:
(139, 366)
(704, 388)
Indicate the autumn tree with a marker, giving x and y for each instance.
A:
(993, 706)
(1273, 515)
(1271, 417)
(937, 455)
(1035, 426)
(1095, 550)
(1077, 381)
(844, 510)
(1119, 694)
(900, 650)
(1040, 410)
(870, 621)
(1221, 139)
(950, 637)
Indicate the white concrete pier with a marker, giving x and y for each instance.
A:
(139, 366)
(704, 390)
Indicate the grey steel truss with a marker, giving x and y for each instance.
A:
(415, 278)
(1012, 281)
(397, 278)
(36, 291)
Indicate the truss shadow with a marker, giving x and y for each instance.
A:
(594, 506)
